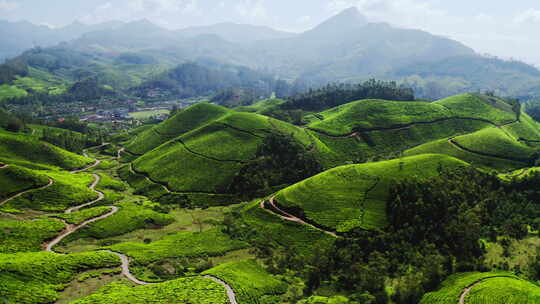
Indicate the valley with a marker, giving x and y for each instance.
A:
(150, 220)
(351, 158)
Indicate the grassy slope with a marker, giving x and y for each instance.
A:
(508, 290)
(277, 232)
(26, 150)
(185, 290)
(373, 113)
(479, 106)
(184, 121)
(442, 146)
(495, 141)
(207, 158)
(68, 190)
(180, 244)
(503, 142)
(19, 236)
(355, 196)
(251, 283)
(15, 179)
(130, 217)
(261, 106)
(36, 277)
(376, 113)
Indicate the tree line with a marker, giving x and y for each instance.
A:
(436, 228)
(333, 95)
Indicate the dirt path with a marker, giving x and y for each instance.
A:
(148, 178)
(460, 147)
(119, 153)
(51, 182)
(468, 289)
(92, 187)
(4, 166)
(230, 291)
(72, 228)
(87, 167)
(289, 217)
(406, 126)
(125, 268)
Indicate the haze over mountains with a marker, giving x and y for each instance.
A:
(345, 48)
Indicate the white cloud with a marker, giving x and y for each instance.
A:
(129, 10)
(252, 10)
(528, 16)
(6, 5)
(304, 19)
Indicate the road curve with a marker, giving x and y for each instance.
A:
(125, 268)
(289, 217)
(72, 228)
(132, 171)
(95, 164)
(468, 289)
(119, 153)
(92, 187)
(230, 291)
(51, 182)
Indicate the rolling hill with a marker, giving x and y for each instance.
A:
(227, 143)
(27, 151)
(354, 196)
(495, 287)
(210, 142)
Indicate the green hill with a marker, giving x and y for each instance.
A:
(375, 114)
(15, 179)
(493, 288)
(25, 150)
(480, 129)
(355, 196)
(251, 282)
(185, 121)
(203, 149)
(262, 106)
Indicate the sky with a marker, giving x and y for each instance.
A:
(508, 29)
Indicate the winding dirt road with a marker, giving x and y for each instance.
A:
(468, 289)
(230, 291)
(119, 153)
(51, 182)
(92, 187)
(148, 178)
(289, 217)
(460, 147)
(72, 228)
(125, 268)
(123, 258)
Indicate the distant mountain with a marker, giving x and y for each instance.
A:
(347, 46)
(18, 37)
(130, 36)
(344, 48)
(233, 32)
(208, 78)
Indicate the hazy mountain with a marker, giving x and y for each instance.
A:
(344, 48)
(347, 46)
(233, 32)
(132, 36)
(18, 37)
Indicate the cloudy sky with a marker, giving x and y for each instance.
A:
(509, 29)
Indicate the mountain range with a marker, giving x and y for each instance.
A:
(344, 48)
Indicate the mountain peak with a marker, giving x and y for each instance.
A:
(347, 20)
(352, 12)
